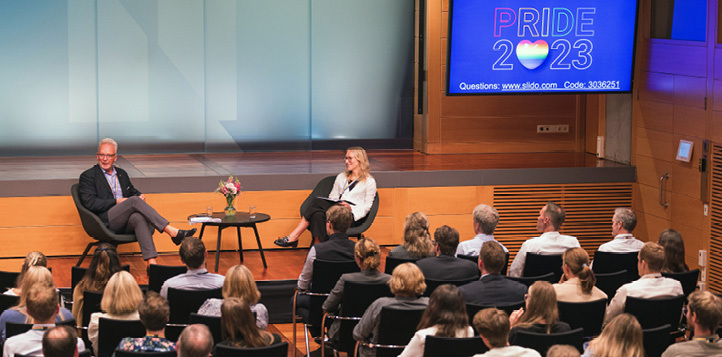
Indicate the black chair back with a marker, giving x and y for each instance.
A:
(472, 258)
(392, 263)
(396, 327)
(121, 353)
(453, 347)
(364, 223)
(538, 264)
(610, 282)
(8, 279)
(542, 341)
(77, 274)
(432, 284)
(277, 350)
(529, 280)
(111, 331)
(587, 315)
(656, 312)
(656, 340)
(16, 328)
(185, 302)
(472, 309)
(213, 323)
(158, 274)
(609, 262)
(688, 279)
(91, 304)
(8, 301)
(327, 272)
(357, 297)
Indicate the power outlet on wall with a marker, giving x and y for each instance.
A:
(552, 129)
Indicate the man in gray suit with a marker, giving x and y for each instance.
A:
(445, 266)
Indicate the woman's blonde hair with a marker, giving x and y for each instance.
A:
(417, 239)
(31, 260)
(239, 283)
(577, 260)
(541, 306)
(621, 337)
(363, 162)
(34, 275)
(122, 294)
(238, 325)
(407, 280)
(368, 252)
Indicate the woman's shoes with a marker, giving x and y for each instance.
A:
(285, 242)
(182, 234)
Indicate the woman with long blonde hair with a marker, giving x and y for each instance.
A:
(541, 314)
(104, 264)
(621, 337)
(354, 189)
(120, 302)
(31, 260)
(239, 283)
(238, 326)
(417, 239)
(577, 282)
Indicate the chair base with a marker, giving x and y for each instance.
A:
(85, 252)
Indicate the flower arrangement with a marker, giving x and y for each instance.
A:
(230, 188)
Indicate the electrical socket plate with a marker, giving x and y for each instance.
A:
(551, 129)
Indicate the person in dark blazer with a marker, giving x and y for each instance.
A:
(493, 289)
(106, 190)
(445, 266)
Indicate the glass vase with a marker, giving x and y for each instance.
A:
(230, 209)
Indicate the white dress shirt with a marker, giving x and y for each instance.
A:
(649, 286)
(548, 243)
(362, 195)
(622, 243)
(197, 279)
(473, 246)
(416, 346)
(31, 343)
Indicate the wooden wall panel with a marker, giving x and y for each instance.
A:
(662, 56)
(649, 171)
(689, 121)
(655, 144)
(656, 86)
(656, 115)
(690, 91)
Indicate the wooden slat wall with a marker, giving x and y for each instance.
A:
(589, 210)
(714, 265)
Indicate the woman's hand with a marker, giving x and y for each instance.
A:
(563, 279)
(345, 204)
(515, 316)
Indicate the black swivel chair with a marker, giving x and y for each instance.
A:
(538, 264)
(542, 341)
(453, 347)
(111, 331)
(121, 353)
(185, 302)
(91, 304)
(610, 282)
(688, 279)
(8, 279)
(392, 263)
(432, 284)
(587, 315)
(396, 328)
(8, 301)
(656, 312)
(472, 309)
(609, 262)
(16, 328)
(656, 340)
(158, 274)
(95, 228)
(529, 280)
(277, 350)
(213, 323)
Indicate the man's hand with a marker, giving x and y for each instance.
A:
(119, 200)
(142, 197)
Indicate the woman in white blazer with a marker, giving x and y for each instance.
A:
(355, 185)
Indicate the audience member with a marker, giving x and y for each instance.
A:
(704, 316)
(239, 283)
(541, 315)
(195, 341)
(34, 275)
(650, 285)
(368, 257)
(621, 337)
(154, 313)
(673, 245)
(42, 305)
(485, 220)
(445, 317)
(551, 217)
(193, 254)
(238, 326)
(493, 327)
(407, 284)
(417, 239)
(120, 302)
(104, 264)
(445, 266)
(623, 223)
(31, 260)
(60, 341)
(577, 283)
(493, 289)
(562, 351)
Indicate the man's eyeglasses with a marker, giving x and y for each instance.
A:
(106, 156)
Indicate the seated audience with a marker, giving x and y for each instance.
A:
(407, 284)
(673, 245)
(31, 260)
(42, 305)
(154, 313)
(704, 316)
(238, 326)
(650, 285)
(621, 337)
(445, 266)
(562, 351)
(417, 239)
(577, 283)
(35, 275)
(485, 220)
(193, 254)
(493, 327)
(541, 315)
(551, 217)
(493, 289)
(104, 264)
(623, 223)
(445, 317)
(195, 341)
(120, 302)
(239, 283)
(368, 257)
(60, 341)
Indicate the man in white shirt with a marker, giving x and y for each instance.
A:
(623, 223)
(42, 305)
(650, 285)
(551, 217)
(193, 254)
(485, 220)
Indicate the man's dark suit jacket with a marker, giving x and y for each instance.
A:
(445, 267)
(95, 192)
(493, 290)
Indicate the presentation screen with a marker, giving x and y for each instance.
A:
(540, 46)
